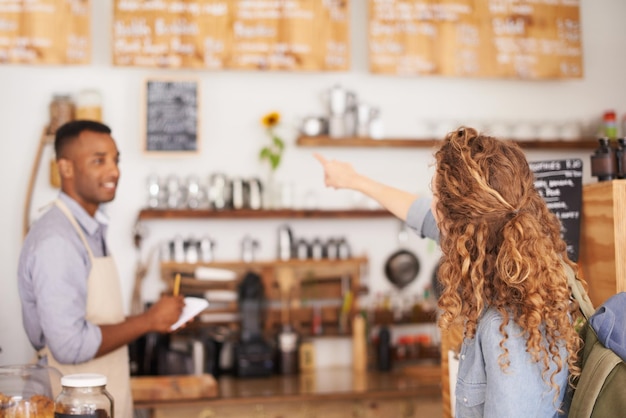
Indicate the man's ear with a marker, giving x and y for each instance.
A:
(66, 168)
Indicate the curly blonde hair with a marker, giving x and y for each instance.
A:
(502, 249)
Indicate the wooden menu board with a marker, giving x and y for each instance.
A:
(45, 32)
(560, 183)
(232, 34)
(527, 39)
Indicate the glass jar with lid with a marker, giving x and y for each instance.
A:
(89, 105)
(28, 391)
(62, 110)
(84, 395)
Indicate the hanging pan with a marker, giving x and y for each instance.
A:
(402, 266)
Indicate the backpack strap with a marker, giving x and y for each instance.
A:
(579, 292)
(599, 363)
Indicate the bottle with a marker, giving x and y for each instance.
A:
(306, 357)
(620, 153)
(316, 322)
(604, 161)
(84, 395)
(384, 349)
(288, 351)
(610, 124)
(359, 344)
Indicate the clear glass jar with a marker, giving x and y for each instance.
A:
(62, 110)
(28, 391)
(89, 105)
(84, 395)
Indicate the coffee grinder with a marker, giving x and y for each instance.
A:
(253, 355)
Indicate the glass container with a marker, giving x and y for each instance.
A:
(62, 110)
(84, 395)
(28, 391)
(89, 105)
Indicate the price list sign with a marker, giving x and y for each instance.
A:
(232, 34)
(537, 39)
(45, 32)
(559, 182)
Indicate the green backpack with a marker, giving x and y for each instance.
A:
(601, 388)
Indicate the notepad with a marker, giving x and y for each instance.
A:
(193, 306)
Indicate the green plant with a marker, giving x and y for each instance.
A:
(274, 151)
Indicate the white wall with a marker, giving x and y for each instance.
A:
(233, 102)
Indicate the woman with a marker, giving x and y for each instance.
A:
(501, 270)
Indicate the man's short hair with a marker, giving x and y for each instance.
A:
(71, 130)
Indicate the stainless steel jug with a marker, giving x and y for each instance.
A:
(255, 194)
(285, 243)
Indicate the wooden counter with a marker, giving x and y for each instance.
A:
(327, 393)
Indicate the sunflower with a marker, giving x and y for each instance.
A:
(271, 119)
(273, 151)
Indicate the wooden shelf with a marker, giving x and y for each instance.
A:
(146, 214)
(325, 141)
(310, 282)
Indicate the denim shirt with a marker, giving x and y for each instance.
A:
(483, 389)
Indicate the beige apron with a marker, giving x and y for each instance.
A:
(104, 306)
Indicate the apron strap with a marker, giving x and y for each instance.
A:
(77, 227)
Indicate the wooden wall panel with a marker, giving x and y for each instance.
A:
(603, 239)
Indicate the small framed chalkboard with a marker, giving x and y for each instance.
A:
(171, 116)
(559, 182)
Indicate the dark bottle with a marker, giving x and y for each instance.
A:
(604, 161)
(621, 158)
(384, 349)
(288, 351)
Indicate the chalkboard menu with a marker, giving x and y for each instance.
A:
(560, 184)
(232, 34)
(45, 32)
(171, 116)
(523, 39)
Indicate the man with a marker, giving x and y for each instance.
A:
(69, 288)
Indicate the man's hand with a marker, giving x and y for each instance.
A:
(165, 312)
(159, 318)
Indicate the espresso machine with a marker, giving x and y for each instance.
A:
(253, 355)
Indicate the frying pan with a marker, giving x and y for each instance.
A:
(402, 266)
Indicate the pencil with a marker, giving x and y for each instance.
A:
(177, 284)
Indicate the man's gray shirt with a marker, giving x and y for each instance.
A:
(52, 281)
